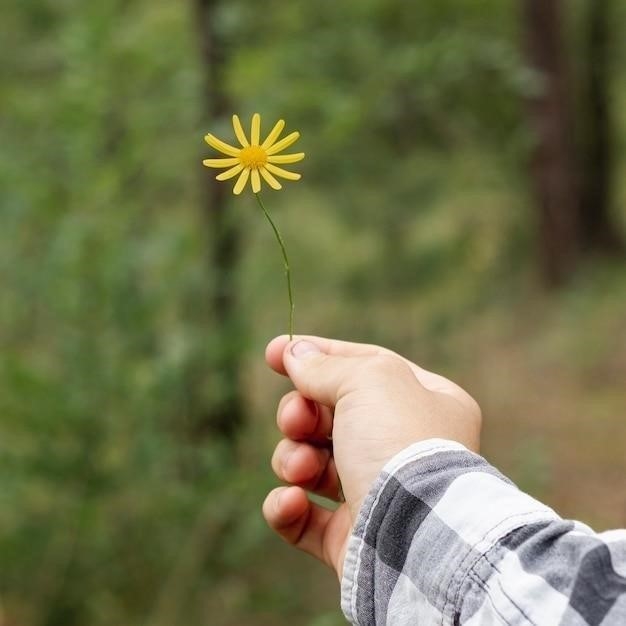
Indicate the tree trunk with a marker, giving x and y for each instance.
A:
(225, 417)
(597, 232)
(553, 165)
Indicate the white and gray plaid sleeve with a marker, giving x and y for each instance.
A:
(444, 538)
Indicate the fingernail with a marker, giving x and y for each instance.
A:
(302, 348)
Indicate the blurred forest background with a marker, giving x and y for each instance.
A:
(463, 201)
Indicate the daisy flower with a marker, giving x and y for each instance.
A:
(255, 160)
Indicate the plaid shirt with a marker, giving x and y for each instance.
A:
(444, 538)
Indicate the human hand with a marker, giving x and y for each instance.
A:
(373, 403)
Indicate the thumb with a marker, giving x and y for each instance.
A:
(326, 378)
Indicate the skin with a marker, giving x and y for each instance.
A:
(353, 408)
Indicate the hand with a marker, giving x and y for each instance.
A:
(354, 407)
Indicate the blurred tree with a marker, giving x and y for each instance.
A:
(225, 416)
(598, 233)
(553, 166)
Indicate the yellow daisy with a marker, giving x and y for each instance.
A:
(255, 159)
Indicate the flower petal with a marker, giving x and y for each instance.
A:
(241, 182)
(243, 140)
(220, 146)
(270, 180)
(286, 158)
(220, 162)
(233, 171)
(255, 131)
(255, 179)
(283, 143)
(273, 136)
(279, 171)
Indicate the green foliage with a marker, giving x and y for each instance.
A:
(104, 322)
(411, 222)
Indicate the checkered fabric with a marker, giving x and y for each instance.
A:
(444, 538)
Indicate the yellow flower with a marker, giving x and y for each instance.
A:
(255, 159)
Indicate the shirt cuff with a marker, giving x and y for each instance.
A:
(433, 512)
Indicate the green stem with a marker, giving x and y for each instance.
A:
(281, 243)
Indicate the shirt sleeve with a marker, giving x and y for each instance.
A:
(444, 538)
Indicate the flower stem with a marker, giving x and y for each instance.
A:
(281, 243)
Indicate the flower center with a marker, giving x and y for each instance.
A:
(253, 157)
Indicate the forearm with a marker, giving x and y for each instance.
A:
(445, 538)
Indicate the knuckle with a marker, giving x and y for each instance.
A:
(376, 372)
(382, 365)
